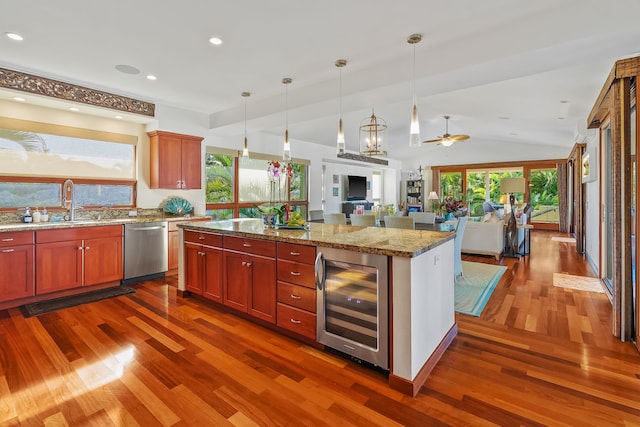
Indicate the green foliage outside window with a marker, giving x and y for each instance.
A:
(219, 173)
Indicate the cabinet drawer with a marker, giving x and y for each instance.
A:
(251, 246)
(297, 296)
(295, 272)
(15, 238)
(208, 239)
(296, 320)
(78, 233)
(297, 253)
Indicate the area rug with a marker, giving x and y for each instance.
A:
(474, 287)
(563, 239)
(37, 308)
(581, 283)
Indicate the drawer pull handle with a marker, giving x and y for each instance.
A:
(87, 247)
(297, 322)
(8, 239)
(295, 296)
(246, 245)
(294, 253)
(7, 250)
(295, 273)
(201, 237)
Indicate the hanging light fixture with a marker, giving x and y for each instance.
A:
(414, 131)
(371, 132)
(245, 147)
(340, 141)
(286, 151)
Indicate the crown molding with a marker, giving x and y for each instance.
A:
(37, 85)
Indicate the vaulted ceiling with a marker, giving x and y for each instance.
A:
(520, 77)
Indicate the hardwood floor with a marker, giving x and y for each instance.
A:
(538, 355)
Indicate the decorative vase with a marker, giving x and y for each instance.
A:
(269, 219)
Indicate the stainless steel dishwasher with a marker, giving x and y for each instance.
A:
(145, 250)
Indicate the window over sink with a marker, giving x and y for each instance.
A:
(38, 157)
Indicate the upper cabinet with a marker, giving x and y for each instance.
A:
(176, 160)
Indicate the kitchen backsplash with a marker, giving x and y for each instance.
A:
(87, 214)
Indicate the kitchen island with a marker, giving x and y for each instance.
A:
(421, 280)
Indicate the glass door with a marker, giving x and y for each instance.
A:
(543, 193)
(607, 207)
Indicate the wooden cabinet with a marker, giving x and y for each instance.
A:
(296, 309)
(250, 276)
(16, 257)
(173, 245)
(203, 264)
(76, 257)
(176, 160)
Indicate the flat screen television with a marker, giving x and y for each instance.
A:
(356, 187)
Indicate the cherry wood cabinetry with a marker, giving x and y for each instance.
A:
(203, 264)
(16, 265)
(250, 276)
(176, 160)
(174, 244)
(75, 257)
(296, 309)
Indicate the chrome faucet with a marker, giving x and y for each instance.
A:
(68, 188)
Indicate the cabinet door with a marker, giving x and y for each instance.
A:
(19, 283)
(191, 164)
(212, 265)
(193, 268)
(262, 296)
(58, 266)
(102, 260)
(174, 243)
(169, 163)
(237, 280)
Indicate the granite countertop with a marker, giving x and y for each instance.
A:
(376, 240)
(19, 226)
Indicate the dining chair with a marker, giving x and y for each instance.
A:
(335, 218)
(424, 217)
(457, 246)
(365, 220)
(399, 222)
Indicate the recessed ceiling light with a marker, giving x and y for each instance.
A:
(127, 69)
(14, 36)
(216, 41)
(17, 98)
(151, 77)
(118, 117)
(74, 109)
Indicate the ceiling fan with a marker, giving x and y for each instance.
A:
(447, 139)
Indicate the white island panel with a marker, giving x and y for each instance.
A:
(422, 307)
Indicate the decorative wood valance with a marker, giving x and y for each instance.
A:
(56, 89)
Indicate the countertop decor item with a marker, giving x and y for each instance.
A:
(178, 206)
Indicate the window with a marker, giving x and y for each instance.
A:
(236, 185)
(451, 185)
(544, 195)
(38, 157)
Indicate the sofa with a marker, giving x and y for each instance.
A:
(484, 238)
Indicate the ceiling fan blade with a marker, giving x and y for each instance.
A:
(432, 140)
(459, 137)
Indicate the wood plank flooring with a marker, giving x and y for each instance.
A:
(538, 355)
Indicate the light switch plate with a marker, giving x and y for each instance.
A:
(133, 213)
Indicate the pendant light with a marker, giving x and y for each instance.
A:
(340, 141)
(414, 131)
(286, 151)
(245, 147)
